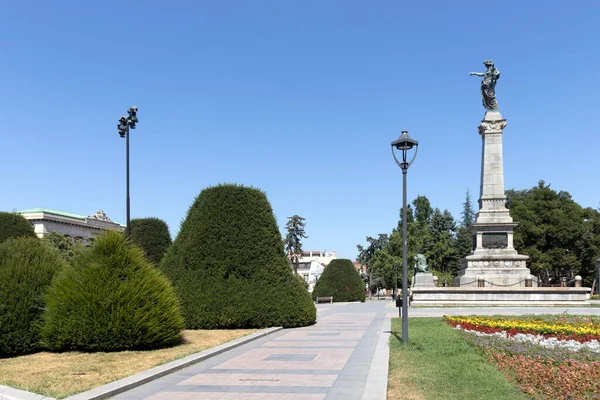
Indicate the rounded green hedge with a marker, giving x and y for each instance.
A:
(340, 280)
(27, 267)
(229, 267)
(152, 236)
(14, 225)
(111, 298)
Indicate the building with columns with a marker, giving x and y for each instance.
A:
(78, 227)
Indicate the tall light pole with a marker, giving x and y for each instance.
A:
(598, 275)
(404, 143)
(124, 124)
(396, 280)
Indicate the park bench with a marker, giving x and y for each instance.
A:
(324, 299)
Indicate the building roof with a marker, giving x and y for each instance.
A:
(50, 211)
(99, 216)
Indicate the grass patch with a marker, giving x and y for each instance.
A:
(61, 375)
(438, 364)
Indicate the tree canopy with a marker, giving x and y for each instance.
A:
(293, 239)
(561, 238)
(14, 225)
(152, 236)
(340, 280)
(229, 268)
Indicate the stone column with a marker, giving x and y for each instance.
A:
(492, 208)
(494, 260)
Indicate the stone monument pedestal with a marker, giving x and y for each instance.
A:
(493, 260)
(423, 279)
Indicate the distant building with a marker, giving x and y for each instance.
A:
(310, 271)
(311, 264)
(359, 267)
(323, 257)
(77, 226)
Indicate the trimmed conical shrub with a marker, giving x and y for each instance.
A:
(14, 225)
(229, 267)
(151, 235)
(27, 267)
(111, 298)
(340, 280)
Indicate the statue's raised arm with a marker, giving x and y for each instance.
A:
(488, 85)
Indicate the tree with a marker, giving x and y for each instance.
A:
(229, 268)
(367, 255)
(468, 215)
(109, 298)
(14, 225)
(152, 236)
(464, 242)
(340, 280)
(464, 239)
(431, 232)
(64, 245)
(376, 285)
(441, 251)
(423, 210)
(27, 266)
(293, 239)
(561, 238)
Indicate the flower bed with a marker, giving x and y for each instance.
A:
(549, 357)
(563, 328)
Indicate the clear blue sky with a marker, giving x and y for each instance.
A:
(298, 98)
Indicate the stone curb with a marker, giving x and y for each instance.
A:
(8, 393)
(377, 380)
(122, 385)
(130, 382)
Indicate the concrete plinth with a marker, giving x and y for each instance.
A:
(499, 296)
(423, 279)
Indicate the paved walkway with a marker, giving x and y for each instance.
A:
(343, 356)
(330, 360)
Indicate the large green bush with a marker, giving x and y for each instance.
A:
(340, 280)
(64, 245)
(111, 298)
(151, 235)
(14, 225)
(228, 264)
(27, 267)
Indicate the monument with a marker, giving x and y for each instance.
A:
(422, 276)
(493, 260)
(494, 273)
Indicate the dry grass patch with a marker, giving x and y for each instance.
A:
(401, 383)
(64, 374)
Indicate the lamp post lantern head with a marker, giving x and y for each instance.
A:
(404, 143)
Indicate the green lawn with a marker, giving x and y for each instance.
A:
(438, 364)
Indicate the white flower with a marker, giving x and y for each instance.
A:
(550, 343)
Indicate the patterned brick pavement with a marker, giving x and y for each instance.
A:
(327, 361)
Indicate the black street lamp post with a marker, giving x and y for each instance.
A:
(404, 143)
(124, 124)
(395, 280)
(598, 270)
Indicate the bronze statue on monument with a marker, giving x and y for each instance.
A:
(488, 85)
